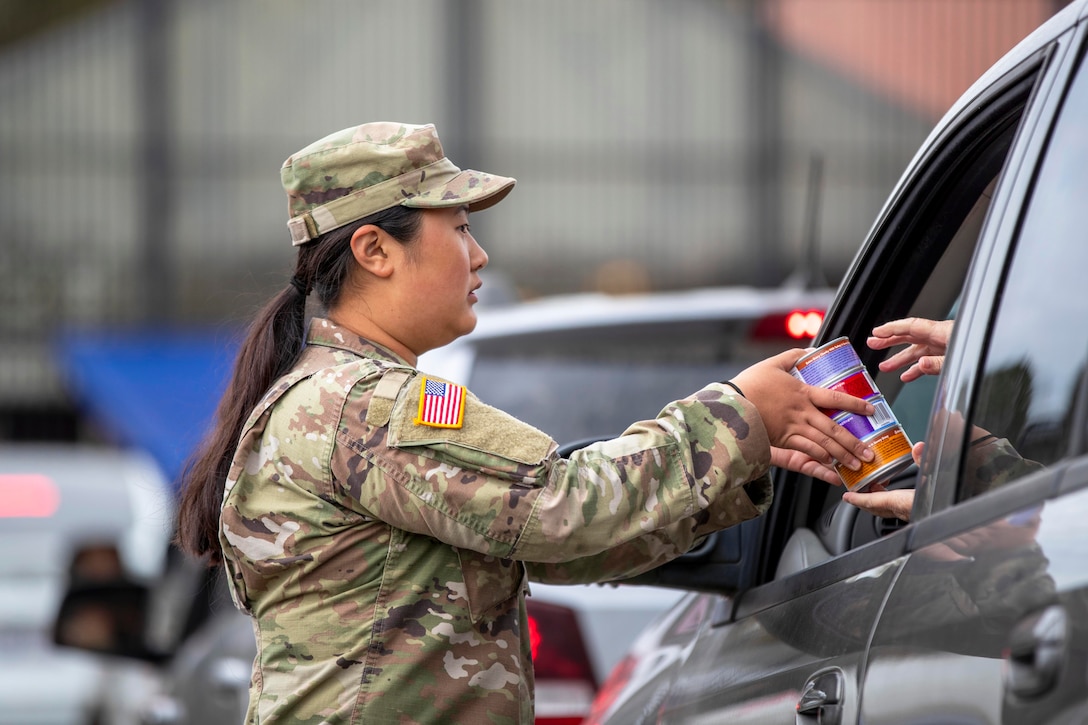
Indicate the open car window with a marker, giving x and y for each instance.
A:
(917, 263)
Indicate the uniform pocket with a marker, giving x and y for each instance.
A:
(490, 583)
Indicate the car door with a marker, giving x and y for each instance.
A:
(793, 649)
(988, 620)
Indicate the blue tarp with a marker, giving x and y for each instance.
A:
(150, 389)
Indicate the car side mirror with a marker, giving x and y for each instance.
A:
(107, 618)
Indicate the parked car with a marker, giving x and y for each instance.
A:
(976, 611)
(71, 513)
(564, 365)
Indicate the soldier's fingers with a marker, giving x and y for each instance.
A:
(843, 445)
(838, 400)
(801, 443)
(786, 359)
(834, 443)
(803, 464)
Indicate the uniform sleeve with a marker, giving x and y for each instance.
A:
(651, 550)
(496, 485)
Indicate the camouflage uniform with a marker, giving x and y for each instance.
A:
(384, 562)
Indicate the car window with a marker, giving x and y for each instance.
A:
(1034, 368)
(915, 265)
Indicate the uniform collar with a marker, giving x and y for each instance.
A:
(327, 333)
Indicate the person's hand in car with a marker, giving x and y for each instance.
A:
(883, 502)
(927, 342)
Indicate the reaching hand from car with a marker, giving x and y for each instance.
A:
(889, 504)
(927, 341)
(879, 501)
(790, 410)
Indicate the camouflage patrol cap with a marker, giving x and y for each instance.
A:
(362, 170)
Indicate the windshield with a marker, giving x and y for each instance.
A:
(572, 399)
(579, 384)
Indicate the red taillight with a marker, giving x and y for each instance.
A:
(612, 687)
(792, 325)
(800, 325)
(565, 684)
(27, 495)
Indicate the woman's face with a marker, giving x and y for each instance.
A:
(440, 278)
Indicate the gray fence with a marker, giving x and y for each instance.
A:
(140, 142)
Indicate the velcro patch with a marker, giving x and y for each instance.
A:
(485, 429)
(441, 404)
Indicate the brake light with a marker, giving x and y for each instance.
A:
(27, 495)
(565, 685)
(792, 325)
(800, 324)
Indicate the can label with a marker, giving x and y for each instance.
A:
(836, 366)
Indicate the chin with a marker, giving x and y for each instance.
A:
(468, 323)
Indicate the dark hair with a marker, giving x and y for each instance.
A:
(271, 347)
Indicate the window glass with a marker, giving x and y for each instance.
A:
(924, 256)
(1035, 361)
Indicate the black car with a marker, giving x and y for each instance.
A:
(976, 611)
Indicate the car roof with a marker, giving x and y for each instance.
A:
(589, 310)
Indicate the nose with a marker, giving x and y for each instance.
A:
(477, 255)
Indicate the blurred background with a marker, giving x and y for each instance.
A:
(658, 146)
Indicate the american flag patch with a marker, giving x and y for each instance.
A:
(441, 405)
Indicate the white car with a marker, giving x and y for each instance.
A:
(95, 516)
(579, 367)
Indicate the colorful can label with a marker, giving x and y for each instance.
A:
(836, 366)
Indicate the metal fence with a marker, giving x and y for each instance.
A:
(140, 142)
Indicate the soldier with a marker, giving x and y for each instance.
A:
(380, 524)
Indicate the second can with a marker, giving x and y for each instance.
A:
(836, 366)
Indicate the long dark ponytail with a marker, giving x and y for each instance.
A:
(271, 347)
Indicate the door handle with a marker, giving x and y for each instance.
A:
(821, 698)
(1036, 653)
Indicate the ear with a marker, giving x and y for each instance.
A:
(373, 250)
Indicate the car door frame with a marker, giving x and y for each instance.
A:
(951, 516)
(1021, 97)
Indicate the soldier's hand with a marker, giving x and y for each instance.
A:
(791, 412)
(804, 464)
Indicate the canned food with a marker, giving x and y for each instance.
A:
(836, 366)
